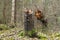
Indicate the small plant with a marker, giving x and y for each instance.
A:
(21, 34)
(41, 36)
(57, 35)
(32, 33)
(3, 27)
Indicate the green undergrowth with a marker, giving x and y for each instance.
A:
(11, 38)
(55, 36)
(41, 35)
(21, 34)
(5, 27)
(32, 34)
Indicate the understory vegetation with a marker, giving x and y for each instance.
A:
(40, 35)
(5, 27)
(31, 34)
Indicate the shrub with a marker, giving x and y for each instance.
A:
(3, 27)
(32, 33)
(41, 35)
(21, 34)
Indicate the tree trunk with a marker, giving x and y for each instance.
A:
(4, 13)
(13, 14)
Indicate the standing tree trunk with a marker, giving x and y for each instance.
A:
(4, 13)
(13, 14)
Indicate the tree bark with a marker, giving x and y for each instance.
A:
(4, 13)
(13, 14)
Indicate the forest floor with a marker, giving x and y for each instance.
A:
(10, 34)
(14, 34)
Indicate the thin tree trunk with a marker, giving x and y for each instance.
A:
(4, 13)
(13, 14)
